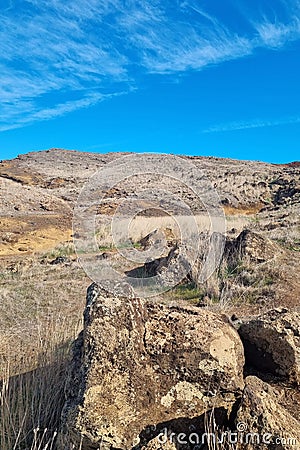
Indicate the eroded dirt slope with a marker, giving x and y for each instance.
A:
(39, 190)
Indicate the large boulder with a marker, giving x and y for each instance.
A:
(139, 365)
(157, 237)
(168, 270)
(262, 423)
(272, 343)
(252, 246)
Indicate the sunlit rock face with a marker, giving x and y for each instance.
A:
(139, 366)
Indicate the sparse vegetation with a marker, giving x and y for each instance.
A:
(187, 291)
(63, 250)
(31, 401)
(42, 304)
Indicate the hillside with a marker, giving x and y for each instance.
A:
(39, 190)
(43, 282)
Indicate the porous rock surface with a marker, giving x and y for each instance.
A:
(272, 343)
(252, 245)
(263, 423)
(139, 364)
(156, 444)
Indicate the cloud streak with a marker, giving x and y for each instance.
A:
(276, 35)
(255, 123)
(57, 56)
(55, 111)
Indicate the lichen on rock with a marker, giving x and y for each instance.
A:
(139, 364)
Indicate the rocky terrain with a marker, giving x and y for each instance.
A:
(144, 375)
(205, 355)
(39, 191)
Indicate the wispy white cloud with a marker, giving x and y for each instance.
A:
(193, 52)
(276, 34)
(49, 53)
(255, 123)
(59, 56)
(29, 113)
(165, 46)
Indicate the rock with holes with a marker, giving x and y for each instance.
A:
(139, 366)
(262, 422)
(272, 343)
(253, 246)
(159, 443)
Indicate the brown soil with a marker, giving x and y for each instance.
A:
(31, 234)
(243, 210)
(11, 171)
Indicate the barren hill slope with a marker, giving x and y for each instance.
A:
(38, 192)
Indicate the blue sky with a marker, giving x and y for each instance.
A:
(198, 77)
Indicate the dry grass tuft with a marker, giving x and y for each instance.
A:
(31, 402)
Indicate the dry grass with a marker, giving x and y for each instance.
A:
(41, 309)
(35, 297)
(242, 284)
(41, 304)
(139, 226)
(31, 402)
(41, 314)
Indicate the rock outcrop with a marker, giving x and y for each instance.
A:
(139, 365)
(156, 237)
(262, 423)
(286, 190)
(253, 246)
(166, 271)
(272, 343)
